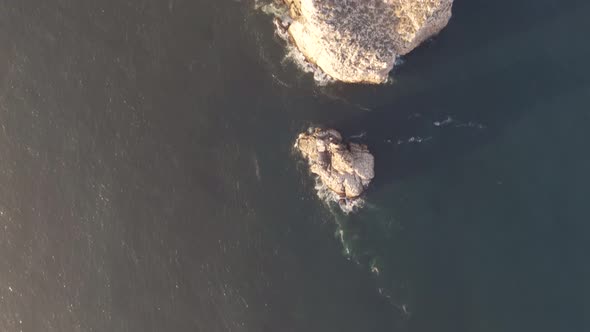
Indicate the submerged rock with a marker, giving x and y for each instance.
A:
(344, 169)
(359, 40)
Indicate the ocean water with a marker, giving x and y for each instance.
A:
(148, 180)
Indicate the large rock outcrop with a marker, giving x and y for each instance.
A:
(357, 41)
(345, 169)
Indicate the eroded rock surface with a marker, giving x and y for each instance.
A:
(345, 169)
(359, 40)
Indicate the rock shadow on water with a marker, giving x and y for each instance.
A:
(490, 87)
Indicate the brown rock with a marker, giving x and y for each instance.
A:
(346, 169)
(359, 40)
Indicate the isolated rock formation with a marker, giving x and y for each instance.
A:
(345, 169)
(359, 40)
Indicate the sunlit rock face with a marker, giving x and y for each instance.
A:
(345, 169)
(357, 41)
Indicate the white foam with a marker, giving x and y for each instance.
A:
(282, 20)
(413, 139)
(329, 197)
(361, 135)
(295, 56)
(443, 123)
(458, 124)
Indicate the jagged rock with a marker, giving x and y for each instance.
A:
(359, 40)
(346, 169)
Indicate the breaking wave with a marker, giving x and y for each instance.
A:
(331, 198)
(281, 20)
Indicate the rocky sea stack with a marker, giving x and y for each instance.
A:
(358, 41)
(345, 170)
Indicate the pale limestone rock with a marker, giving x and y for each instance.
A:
(359, 40)
(346, 169)
(362, 162)
(341, 160)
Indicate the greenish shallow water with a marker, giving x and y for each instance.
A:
(148, 182)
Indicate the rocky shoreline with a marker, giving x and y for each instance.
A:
(358, 41)
(345, 169)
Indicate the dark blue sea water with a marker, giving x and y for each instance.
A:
(148, 180)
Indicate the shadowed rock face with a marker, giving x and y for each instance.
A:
(358, 40)
(345, 169)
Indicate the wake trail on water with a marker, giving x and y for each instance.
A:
(371, 237)
(362, 249)
(364, 235)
